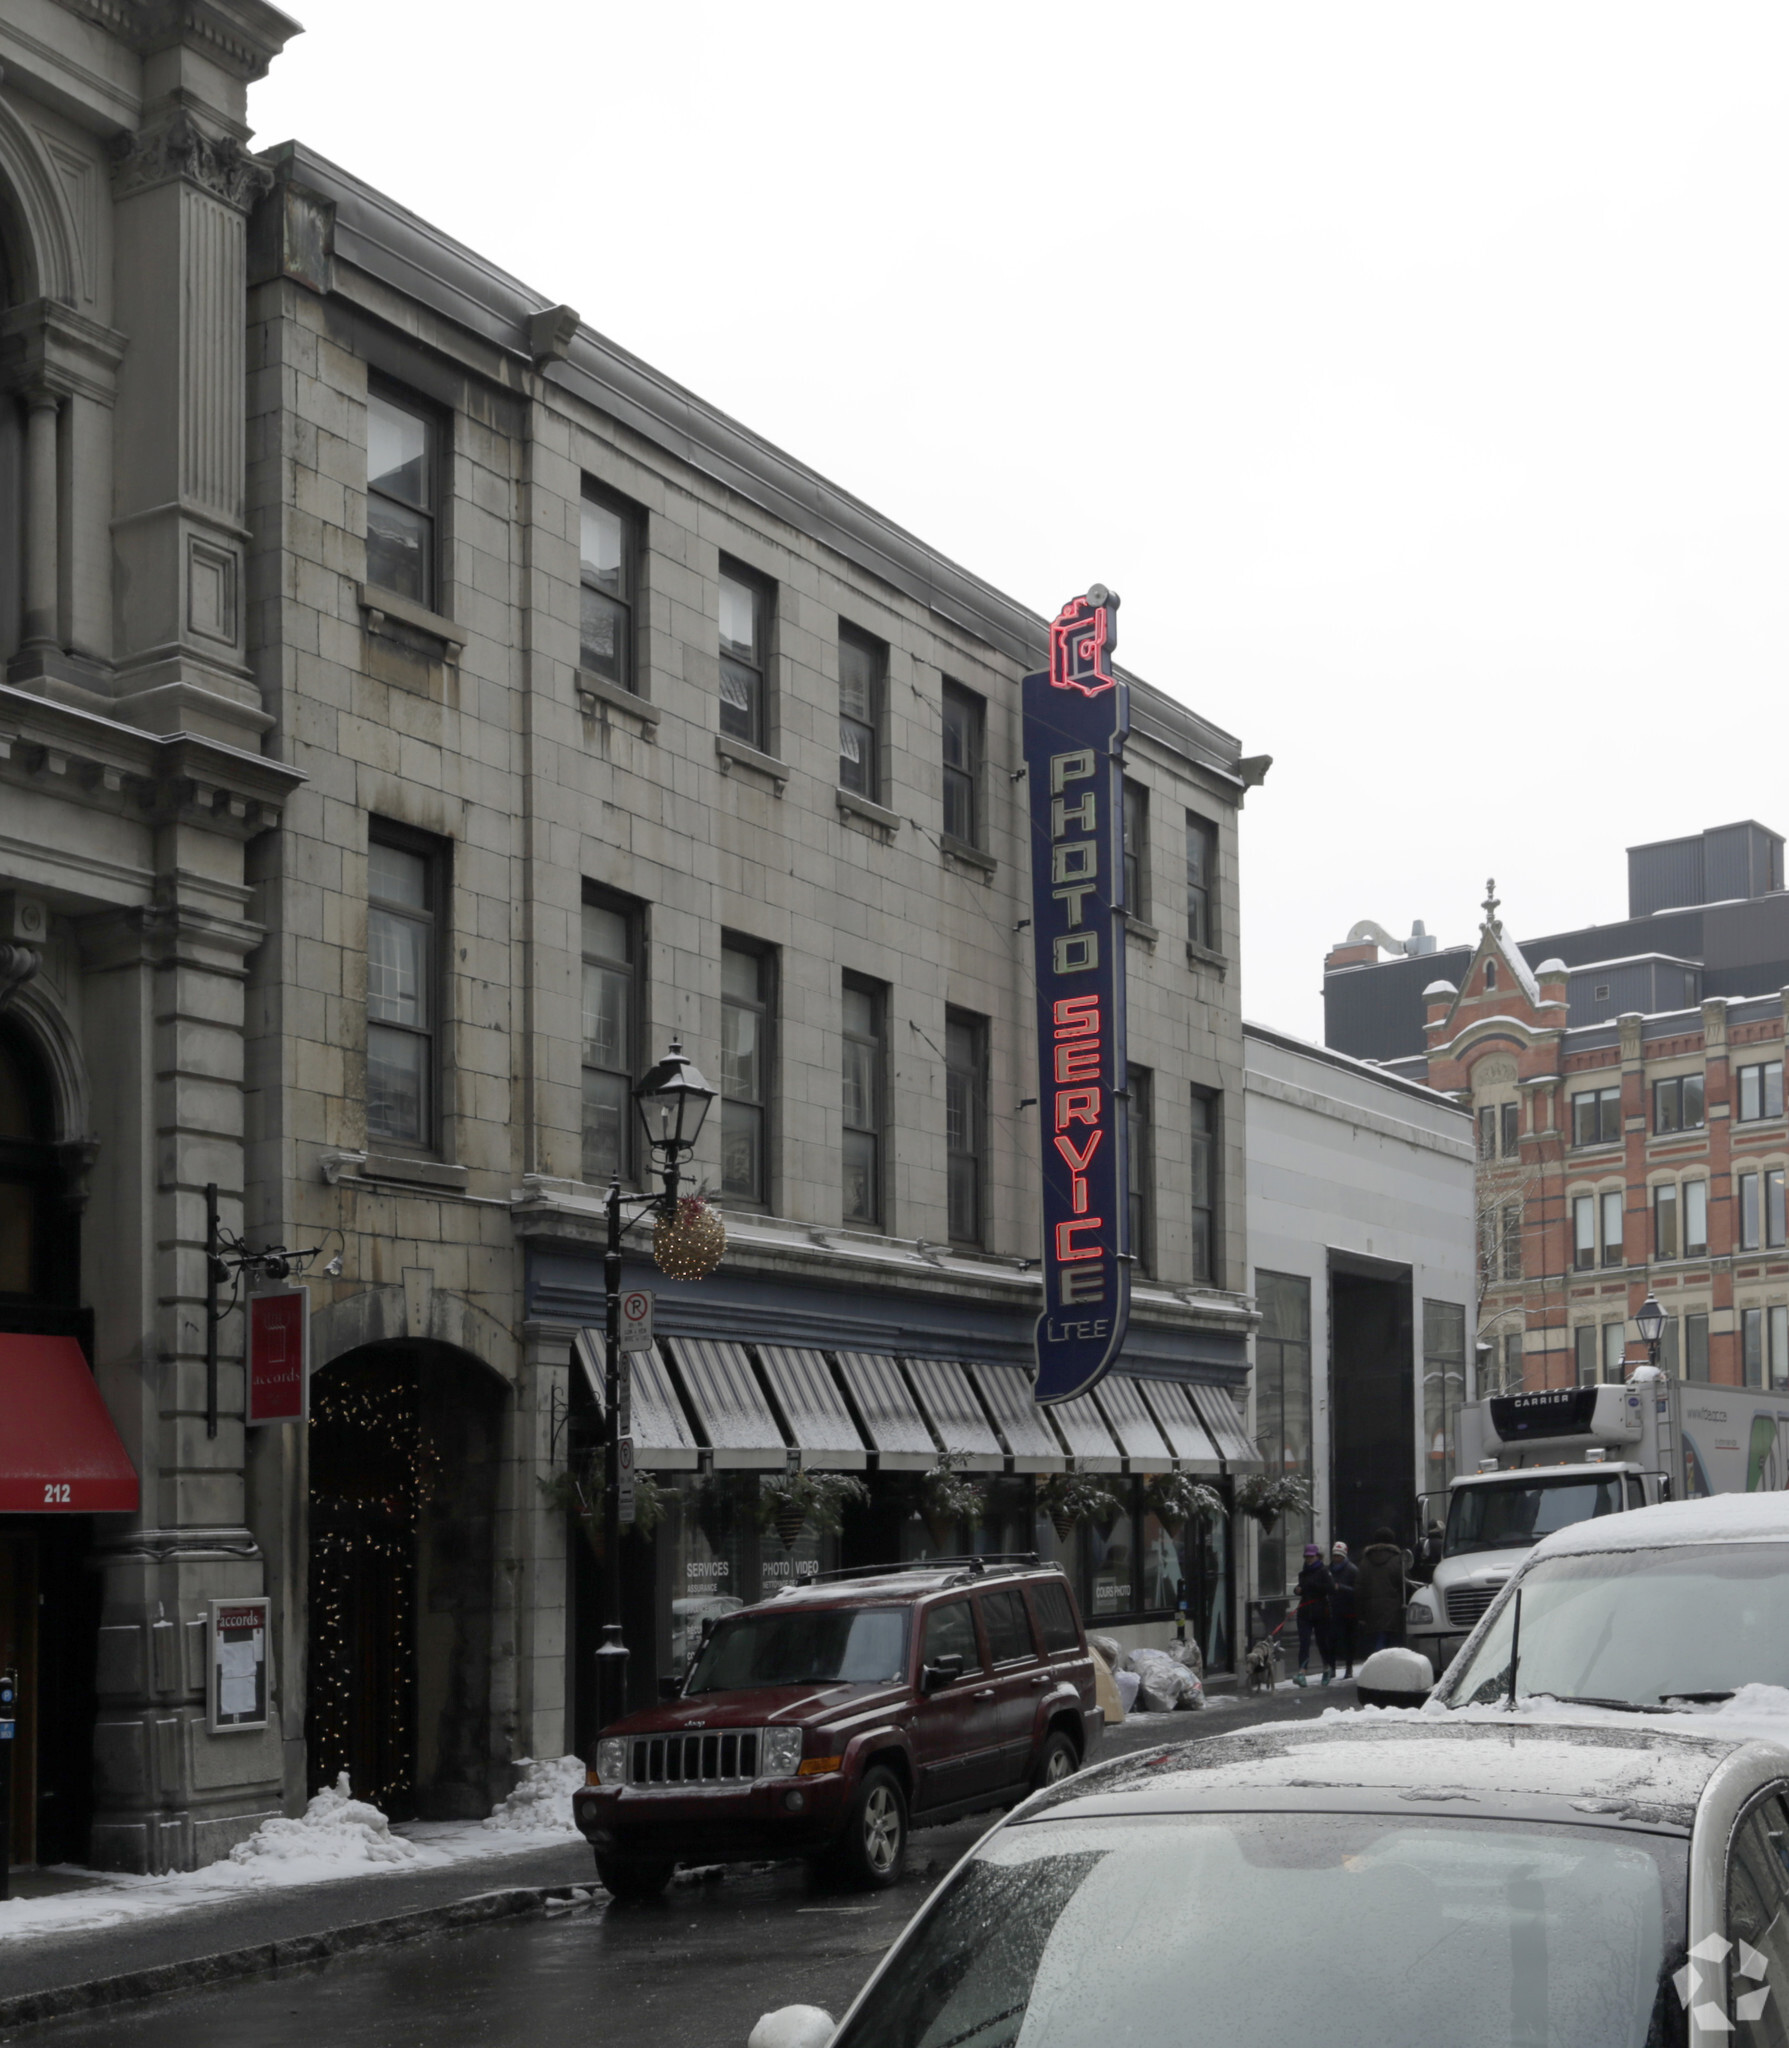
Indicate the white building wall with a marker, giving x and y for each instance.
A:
(1344, 1159)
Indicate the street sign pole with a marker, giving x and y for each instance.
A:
(611, 1655)
(9, 1707)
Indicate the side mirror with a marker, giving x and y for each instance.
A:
(792, 2026)
(1394, 1678)
(935, 1676)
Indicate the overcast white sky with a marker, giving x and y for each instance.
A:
(1436, 361)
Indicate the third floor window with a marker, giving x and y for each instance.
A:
(745, 1072)
(863, 679)
(402, 477)
(608, 568)
(965, 722)
(1596, 1117)
(1760, 1091)
(1204, 1162)
(1140, 1117)
(865, 1097)
(610, 948)
(1677, 1103)
(1201, 881)
(745, 631)
(404, 892)
(1136, 851)
(966, 1122)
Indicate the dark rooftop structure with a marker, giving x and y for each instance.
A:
(1707, 916)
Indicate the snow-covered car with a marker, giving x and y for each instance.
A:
(1483, 1883)
(1680, 1606)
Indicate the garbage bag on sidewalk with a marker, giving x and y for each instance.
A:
(1167, 1685)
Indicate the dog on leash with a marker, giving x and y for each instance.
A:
(1261, 1667)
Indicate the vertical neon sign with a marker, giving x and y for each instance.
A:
(1077, 717)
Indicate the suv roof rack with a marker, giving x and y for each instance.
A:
(949, 1571)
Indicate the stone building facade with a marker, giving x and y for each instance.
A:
(453, 712)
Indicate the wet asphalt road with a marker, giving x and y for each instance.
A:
(693, 1972)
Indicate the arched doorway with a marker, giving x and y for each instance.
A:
(49, 1600)
(405, 1440)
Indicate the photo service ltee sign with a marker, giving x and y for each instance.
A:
(1077, 717)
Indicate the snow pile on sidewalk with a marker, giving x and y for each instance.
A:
(336, 1831)
(541, 1803)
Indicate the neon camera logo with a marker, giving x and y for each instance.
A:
(1711, 1952)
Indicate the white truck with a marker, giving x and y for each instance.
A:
(1531, 1463)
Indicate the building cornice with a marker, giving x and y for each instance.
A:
(243, 36)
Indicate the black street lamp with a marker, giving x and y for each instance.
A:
(674, 1097)
(1650, 1321)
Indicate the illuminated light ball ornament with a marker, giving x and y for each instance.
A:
(690, 1242)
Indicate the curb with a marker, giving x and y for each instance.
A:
(264, 1957)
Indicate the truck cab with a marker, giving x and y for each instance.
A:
(1530, 1464)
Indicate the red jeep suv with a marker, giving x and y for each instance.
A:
(826, 1721)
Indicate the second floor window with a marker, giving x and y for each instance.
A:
(1613, 1229)
(965, 722)
(1508, 1120)
(1140, 1118)
(1748, 1212)
(610, 946)
(1773, 1206)
(1512, 1241)
(745, 633)
(403, 887)
(1136, 851)
(1201, 882)
(1487, 1133)
(1664, 1222)
(745, 1072)
(1695, 1218)
(966, 1121)
(865, 1008)
(1596, 1117)
(1204, 1162)
(863, 675)
(402, 460)
(1583, 1232)
(1677, 1103)
(608, 568)
(1760, 1091)
(1695, 1348)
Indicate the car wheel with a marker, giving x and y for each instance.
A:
(1060, 1760)
(635, 1877)
(872, 1852)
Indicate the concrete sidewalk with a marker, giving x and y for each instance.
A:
(51, 1973)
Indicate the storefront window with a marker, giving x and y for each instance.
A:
(707, 1558)
(1111, 1564)
(1162, 1570)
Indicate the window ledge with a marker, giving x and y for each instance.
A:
(383, 605)
(1203, 956)
(592, 691)
(861, 807)
(970, 856)
(1140, 928)
(422, 1173)
(736, 754)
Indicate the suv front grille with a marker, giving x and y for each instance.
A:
(716, 1759)
(1466, 1603)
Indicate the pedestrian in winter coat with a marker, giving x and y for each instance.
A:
(1314, 1589)
(1344, 1574)
(1379, 1591)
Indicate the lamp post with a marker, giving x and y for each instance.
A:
(673, 1095)
(1650, 1321)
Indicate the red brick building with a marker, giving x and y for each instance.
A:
(1644, 1153)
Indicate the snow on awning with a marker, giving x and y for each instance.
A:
(1187, 1436)
(60, 1452)
(1131, 1423)
(729, 1405)
(1236, 1447)
(1085, 1432)
(812, 1408)
(893, 1426)
(948, 1402)
(1018, 1419)
(662, 1438)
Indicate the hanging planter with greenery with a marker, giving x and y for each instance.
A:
(789, 1502)
(947, 1498)
(1072, 1497)
(1176, 1498)
(577, 1490)
(1267, 1498)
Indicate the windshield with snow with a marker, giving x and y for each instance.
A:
(1514, 1517)
(1408, 1931)
(1640, 1628)
(799, 1646)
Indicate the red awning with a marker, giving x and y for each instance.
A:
(59, 1451)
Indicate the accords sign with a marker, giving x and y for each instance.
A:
(1077, 718)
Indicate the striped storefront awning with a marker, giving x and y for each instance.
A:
(1132, 1424)
(949, 1404)
(1236, 1447)
(662, 1438)
(893, 1425)
(813, 1410)
(1188, 1438)
(729, 1405)
(1085, 1433)
(1029, 1440)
